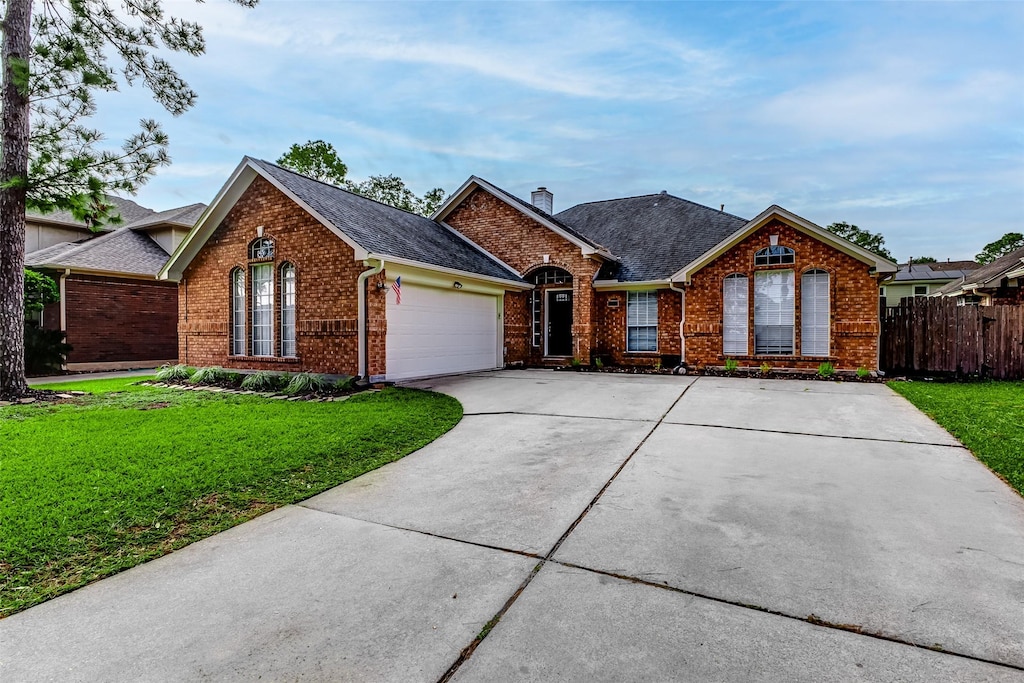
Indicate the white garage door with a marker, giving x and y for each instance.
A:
(440, 331)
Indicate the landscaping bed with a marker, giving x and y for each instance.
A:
(92, 485)
(986, 416)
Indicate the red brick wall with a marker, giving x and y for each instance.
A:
(118, 319)
(854, 303)
(522, 242)
(611, 328)
(326, 295)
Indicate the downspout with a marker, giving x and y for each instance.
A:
(64, 310)
(361, 326)
(681, 369)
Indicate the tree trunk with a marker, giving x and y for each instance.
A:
(14, 128)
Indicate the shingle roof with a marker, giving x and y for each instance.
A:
(653, 235)
(385, 230)
(120, 251)
(126, 208)
(989, 274)
(183, 216)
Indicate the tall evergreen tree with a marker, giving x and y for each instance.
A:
(53, 60)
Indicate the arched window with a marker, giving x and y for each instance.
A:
(773, 256)
(814, 313)
(287, 310)
(261, 249)
(237, 312)
(735, 315)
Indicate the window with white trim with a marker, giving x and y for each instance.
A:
(262, 277)
(641, 321)
(735, 315)
(237, 312)
(814, 313)
(773, 312)
(288, 310)
(920, 290)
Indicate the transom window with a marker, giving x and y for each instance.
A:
(641, 321)
(551, 276)
(261, 249)
(773, 256)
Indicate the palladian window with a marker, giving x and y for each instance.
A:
(262, 276)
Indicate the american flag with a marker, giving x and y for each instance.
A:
(396, 287)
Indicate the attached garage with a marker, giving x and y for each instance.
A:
(441, 330)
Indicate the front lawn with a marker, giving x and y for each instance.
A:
(104, 482)
(988, 417)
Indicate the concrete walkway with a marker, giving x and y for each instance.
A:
(78, 377)
(608, 527)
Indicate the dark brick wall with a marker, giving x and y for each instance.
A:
(118, 319)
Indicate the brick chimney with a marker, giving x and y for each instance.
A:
(542, 199)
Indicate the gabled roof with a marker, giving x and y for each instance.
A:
(989, 275)
(124, 252)
(181, 217)
(586, 245)
(653, 235)
(126, 208)
(880, 264)
(372, 229)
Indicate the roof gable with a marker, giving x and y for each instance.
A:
(880, 264)
(123, 252)
(372, 229)
(587, 247)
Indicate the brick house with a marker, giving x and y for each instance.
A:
(113, 310)
(287, 273)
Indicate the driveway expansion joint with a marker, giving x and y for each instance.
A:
(823, 436)
(570, 417)
(812, 618)
(468, 651)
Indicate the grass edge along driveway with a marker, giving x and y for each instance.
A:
(987, 417)
(96, 485)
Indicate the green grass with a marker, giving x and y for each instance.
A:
(107, 481)
(988, 417)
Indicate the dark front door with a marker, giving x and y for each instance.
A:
(559, 310)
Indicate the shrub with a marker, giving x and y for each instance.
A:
(212, 375)
(598, 363)
(262, 380)
(766, 367)
(307, 383)
(45, 350)
(731, 365)
(345, 384)
(826, 369)
(863, 372)
(576, 363)
(175, 373)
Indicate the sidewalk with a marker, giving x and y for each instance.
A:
(54, 379)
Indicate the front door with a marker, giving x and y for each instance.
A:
(559, 316)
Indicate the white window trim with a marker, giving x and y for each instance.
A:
(656, 322)
(294, 306)
(746, 313)
(793, 348)
(270, 308)
(236, 310)
(828, 313)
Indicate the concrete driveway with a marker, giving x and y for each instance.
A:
(593, 527)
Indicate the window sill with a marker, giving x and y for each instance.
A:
(778, 357)
(265, 359)
(642, 353)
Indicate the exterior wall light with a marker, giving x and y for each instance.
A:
(457, 285)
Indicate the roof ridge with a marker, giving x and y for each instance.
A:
(336, 187)
(658, 194)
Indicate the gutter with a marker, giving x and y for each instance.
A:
(681, 368)
(64, 310)
(361, 325)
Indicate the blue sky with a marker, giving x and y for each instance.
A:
(903, 118)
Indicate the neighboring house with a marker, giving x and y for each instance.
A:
(923, 279)
(112, 308)
(287, 273)
(998, 282)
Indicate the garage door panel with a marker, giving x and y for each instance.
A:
(437, 331)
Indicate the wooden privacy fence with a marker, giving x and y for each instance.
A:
(924, 335)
